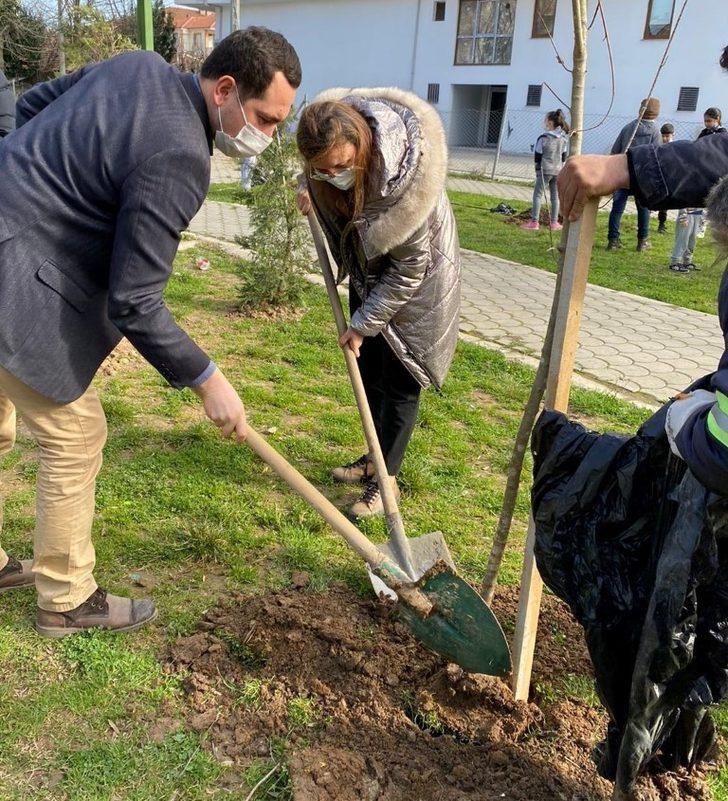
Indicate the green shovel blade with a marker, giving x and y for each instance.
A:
(461, 627)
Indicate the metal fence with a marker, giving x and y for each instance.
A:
(500, 144)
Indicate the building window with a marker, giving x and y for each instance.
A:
(659, 19)
(433, 93)
(197, 41)
(439, 13)
(485, 31)
(533, 98)
(688, 100)
(544, 18)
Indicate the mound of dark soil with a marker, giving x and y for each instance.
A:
(386, 720)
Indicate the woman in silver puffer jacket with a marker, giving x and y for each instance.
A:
(375, 171)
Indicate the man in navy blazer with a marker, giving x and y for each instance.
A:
(107, 167)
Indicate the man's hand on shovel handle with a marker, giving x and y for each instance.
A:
(587, 177)
(353, 339)
(223, 406)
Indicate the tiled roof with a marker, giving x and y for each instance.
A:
(189, 18)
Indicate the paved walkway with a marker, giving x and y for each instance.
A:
(634, 346)
(627, 343)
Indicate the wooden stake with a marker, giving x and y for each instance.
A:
(575, 273)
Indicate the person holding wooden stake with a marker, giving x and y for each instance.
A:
(673, 176)
(375, 170)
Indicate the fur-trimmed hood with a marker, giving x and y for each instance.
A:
(717, 206)
(412, 167)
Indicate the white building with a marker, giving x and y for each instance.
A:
(472, 58)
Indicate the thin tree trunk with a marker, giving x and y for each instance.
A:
(578, 84)
(533, 405)
(61, 46)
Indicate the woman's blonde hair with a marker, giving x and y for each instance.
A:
(327, 124)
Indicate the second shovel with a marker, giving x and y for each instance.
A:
(415, 556)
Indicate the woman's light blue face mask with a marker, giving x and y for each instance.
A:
(343, 180)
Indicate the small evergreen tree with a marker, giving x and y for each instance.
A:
(165, 40)
(280, 242)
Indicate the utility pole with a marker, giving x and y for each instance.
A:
(61, 51)
(145, 25)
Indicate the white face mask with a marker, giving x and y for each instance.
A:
(342, 180)
(248, 142)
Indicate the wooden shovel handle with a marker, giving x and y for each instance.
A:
(395, 525)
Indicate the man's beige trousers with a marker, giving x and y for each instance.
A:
(70, 437)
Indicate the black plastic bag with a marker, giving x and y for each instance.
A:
(637, 548)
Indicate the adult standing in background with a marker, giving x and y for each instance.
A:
(7, 106)
(642, 131)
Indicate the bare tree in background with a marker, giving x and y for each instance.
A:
(22, 37)
(578, 76)
(37, 35)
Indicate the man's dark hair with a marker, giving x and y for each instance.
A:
(724, 59)
(667, 128)
(253, 56)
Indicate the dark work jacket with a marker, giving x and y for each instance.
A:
(710, 131)
(674, 176)
(107, 166)
(638, 132)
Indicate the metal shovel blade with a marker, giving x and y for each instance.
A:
(424, 552)
(461, 626)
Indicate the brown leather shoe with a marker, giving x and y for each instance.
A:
(370, 504)
(100, 611)
(16, 575)
(357, 472)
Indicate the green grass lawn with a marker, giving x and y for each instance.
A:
(645, 274)
(227, 193)
(81, 719)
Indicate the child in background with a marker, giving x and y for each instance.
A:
(712, 120)
(549, 155)
(686, 232)
(691, 222)
(247, 165)
(668, 134)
